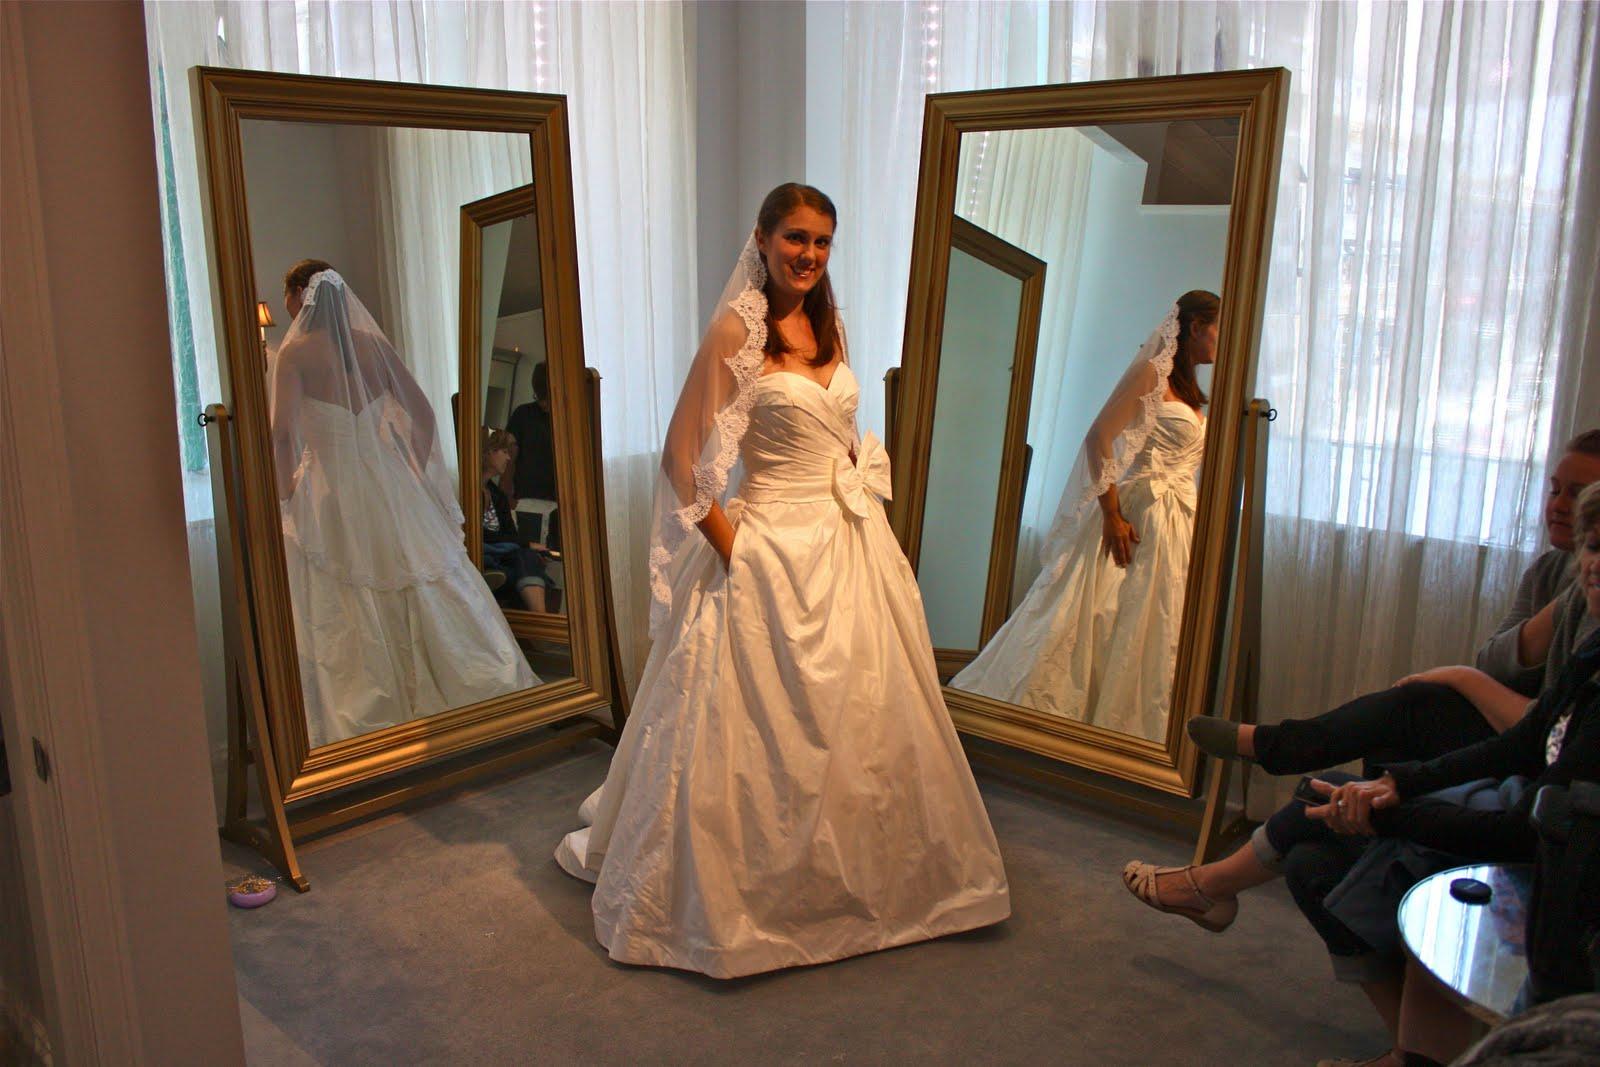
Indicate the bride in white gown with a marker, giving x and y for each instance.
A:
(391, 620)
(789, 788)
(1096, 637)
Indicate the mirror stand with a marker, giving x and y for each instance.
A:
(250, 743)
(249, 739)
(1241, 683)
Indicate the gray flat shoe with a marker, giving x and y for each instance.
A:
(1215, 737)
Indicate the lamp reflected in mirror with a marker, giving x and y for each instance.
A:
(263, 320)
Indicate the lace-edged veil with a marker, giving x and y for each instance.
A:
(1117, 433)
(338, 384)
(708, 424)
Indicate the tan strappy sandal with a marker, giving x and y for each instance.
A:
(1216, 916)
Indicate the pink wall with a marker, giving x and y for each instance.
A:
(89, 99)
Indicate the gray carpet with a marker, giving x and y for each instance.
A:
(448, 936)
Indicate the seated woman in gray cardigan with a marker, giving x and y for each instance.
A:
(1441, 710)
(1348, 860)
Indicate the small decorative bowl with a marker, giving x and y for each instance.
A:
(251, 892)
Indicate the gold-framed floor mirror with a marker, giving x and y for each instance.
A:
(1066, 461)
(359, 409)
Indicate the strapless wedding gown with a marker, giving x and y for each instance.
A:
(1096, 642)
(391, 620)
(789, 788)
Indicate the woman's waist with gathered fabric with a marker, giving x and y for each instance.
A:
(855, 482)
(1161, 482)
(791, 482)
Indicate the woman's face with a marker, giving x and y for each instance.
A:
(796, 252)
(292, 302)
(1576, 470)
(1589, 570)
(495, 460)
(1202, 343)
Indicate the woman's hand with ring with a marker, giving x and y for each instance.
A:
(1350, 806)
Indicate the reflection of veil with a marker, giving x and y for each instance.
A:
(335, 354)
(343, 403)
(1117, 434)
(708, 424)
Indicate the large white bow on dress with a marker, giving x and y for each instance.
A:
(855, 484)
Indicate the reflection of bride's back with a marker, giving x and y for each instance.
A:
(392, 620)
(361, 506)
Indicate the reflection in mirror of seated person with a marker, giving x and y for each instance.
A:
(1350, 855)
(504, 550)
(1440, 710)
(534, 474)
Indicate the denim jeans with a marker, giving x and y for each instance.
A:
(1313, 860)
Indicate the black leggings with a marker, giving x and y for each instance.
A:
(1419, 721)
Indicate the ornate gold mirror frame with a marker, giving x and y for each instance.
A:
(1030, 271)
(228, 97)
(1258, 100)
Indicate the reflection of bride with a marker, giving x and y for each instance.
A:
(392, 621)
(1096, 637)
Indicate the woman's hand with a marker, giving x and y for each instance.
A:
(1450, 676)
(1350, 806)
(1117, 537)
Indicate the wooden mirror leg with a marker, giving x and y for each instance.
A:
(249, 741)
(1242, 672)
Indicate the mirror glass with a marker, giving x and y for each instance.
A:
(520, 518)
(393, 621)
(1083, 483)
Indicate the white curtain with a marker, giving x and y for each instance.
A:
(1431, 279)
(1030, 187)
(423, 178)
(894, 54)
(622, 66)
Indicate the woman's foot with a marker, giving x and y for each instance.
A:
(1221, 738)
(1177, 890)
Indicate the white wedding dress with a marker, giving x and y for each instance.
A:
(1093, 641)
(392, 622)
(789, 788)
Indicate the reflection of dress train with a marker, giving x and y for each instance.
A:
(1093, 641)
(789, 788)
(392, 621)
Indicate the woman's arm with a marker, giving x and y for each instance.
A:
(1534, 636)
(1117, 535)
(286, 394)
(1122, 407)
(719, 531)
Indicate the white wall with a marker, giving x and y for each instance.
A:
(310, 192)
(981, 309)
(525, 333)
(752, 84)
(118, 844)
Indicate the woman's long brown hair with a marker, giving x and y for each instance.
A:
(1197, 307)
(818, 303)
